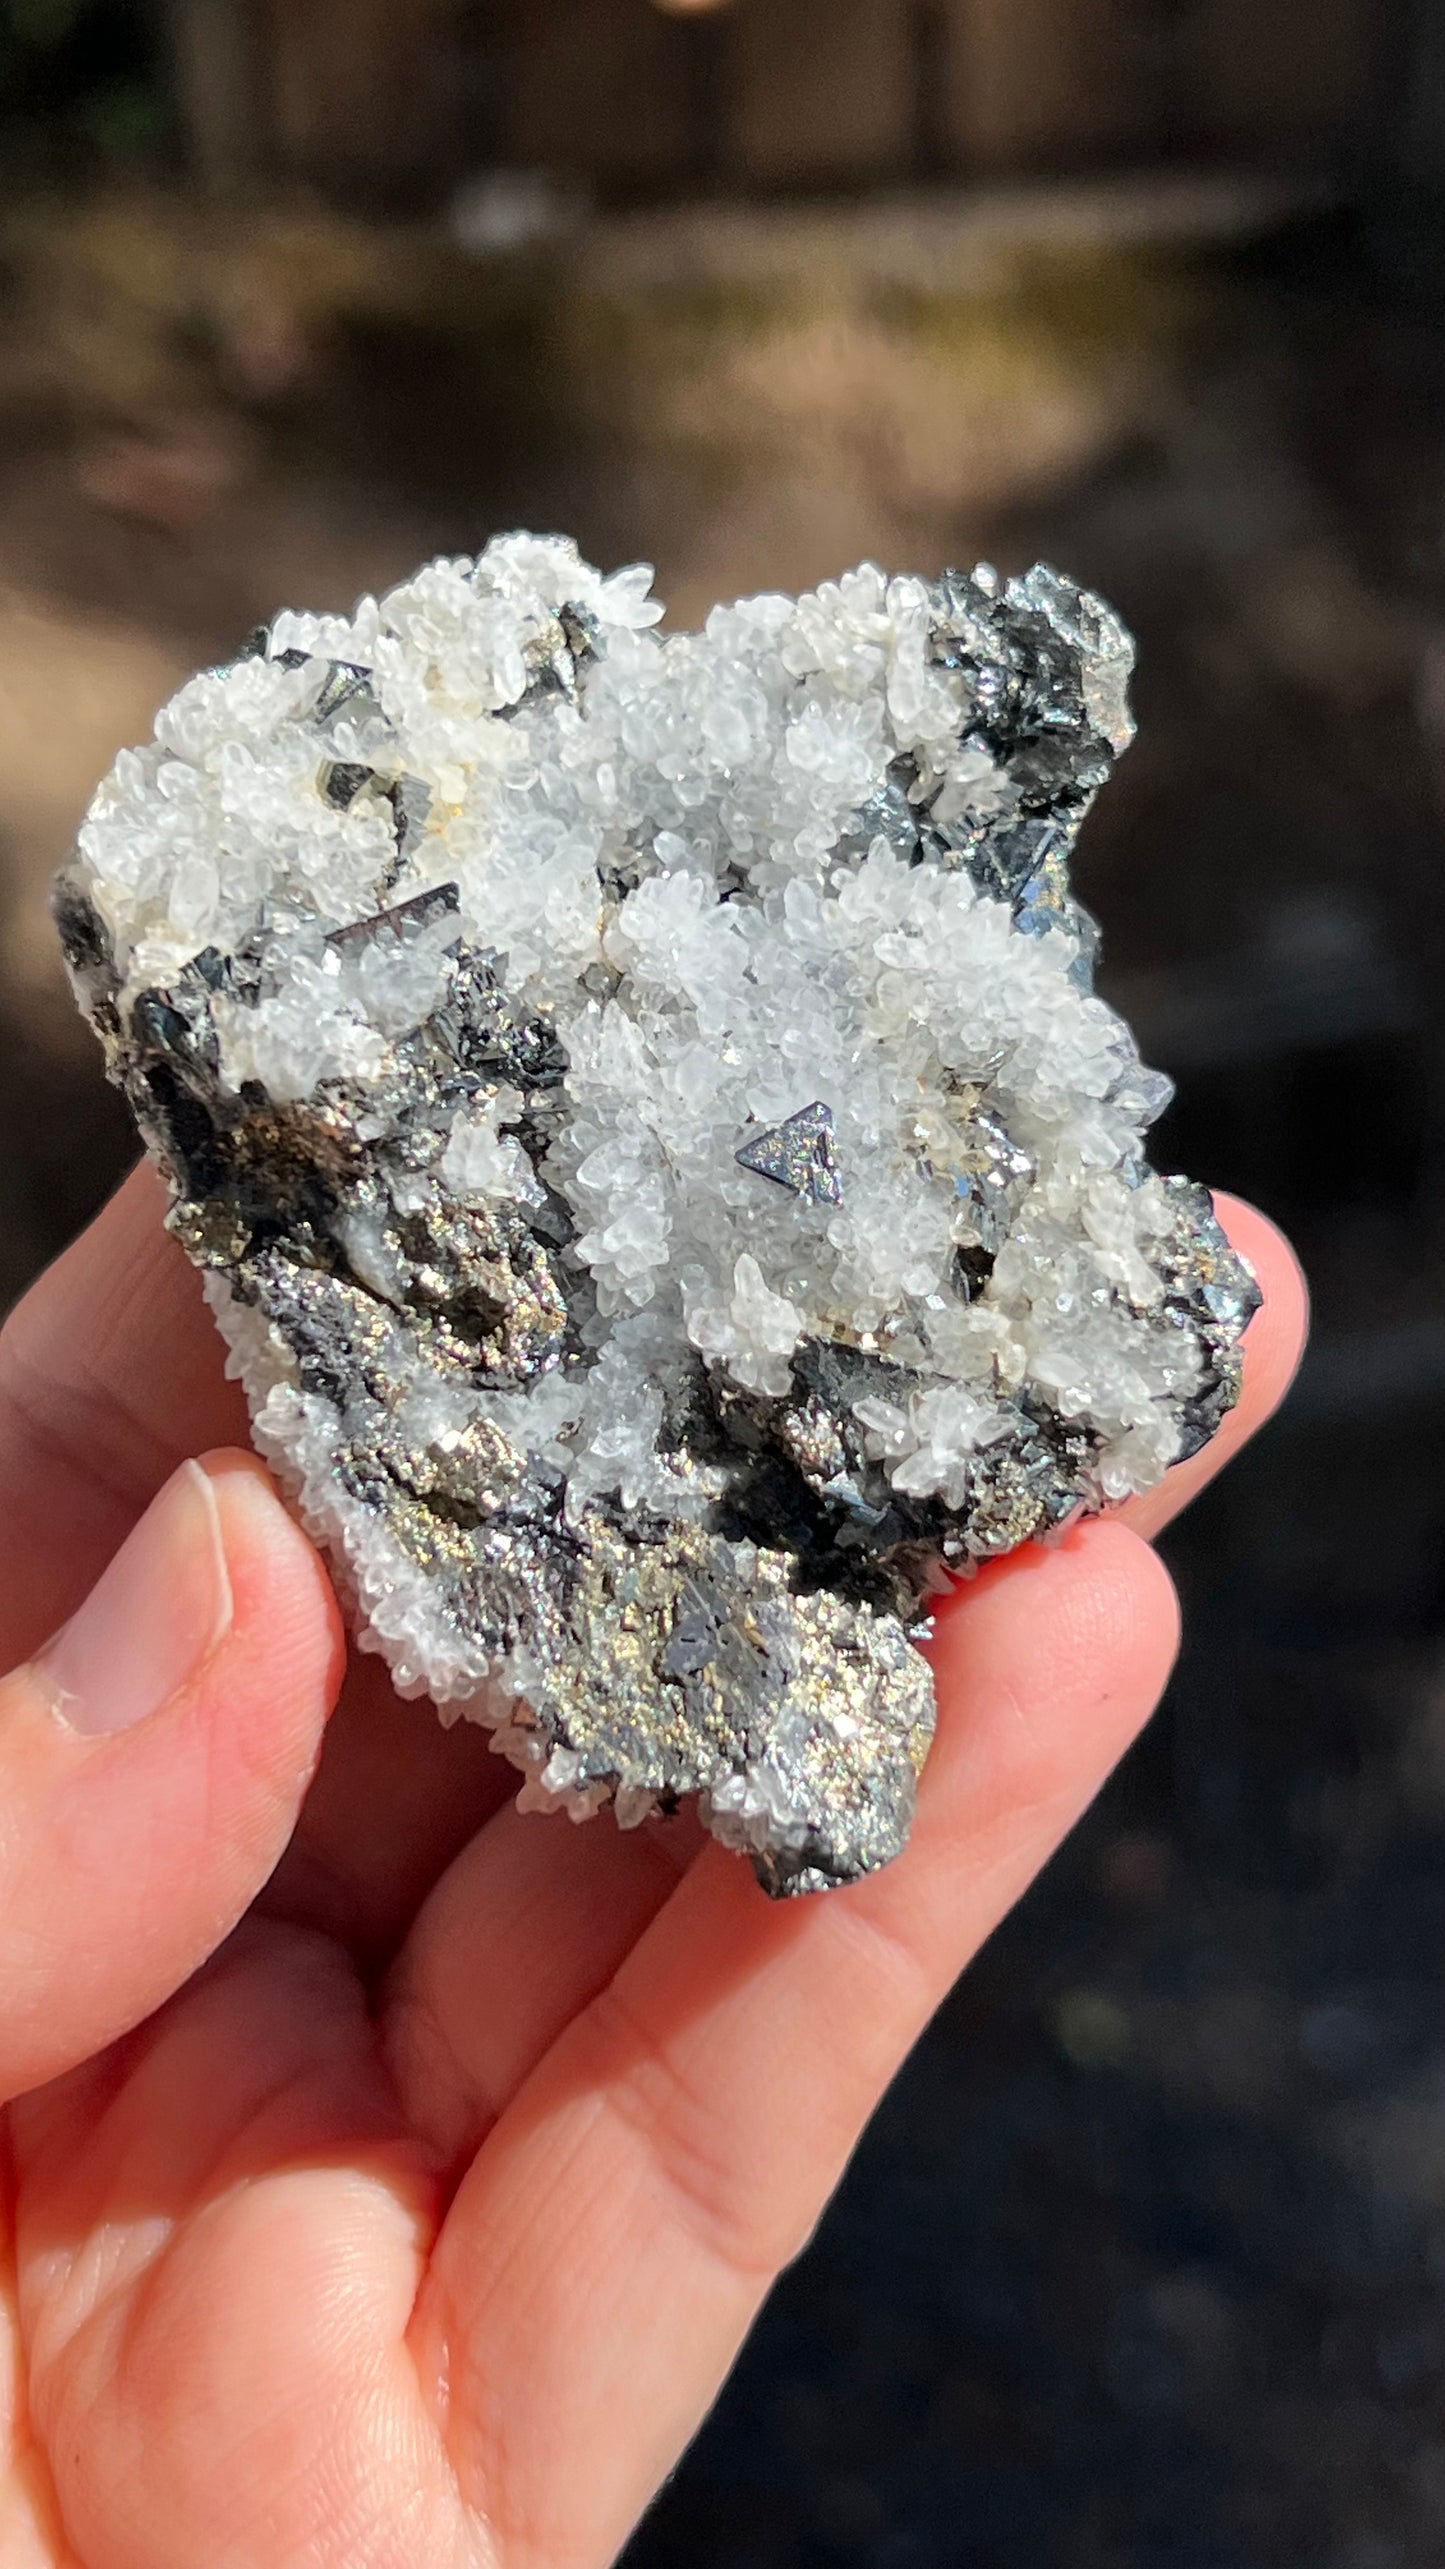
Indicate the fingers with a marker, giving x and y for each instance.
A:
(1273, 1346)
(220, 2230)
(110, 1374)
(153, 1756)
(396, 1797)
(526, 1927)
(624, 2218)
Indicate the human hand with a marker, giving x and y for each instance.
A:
(393, 2179)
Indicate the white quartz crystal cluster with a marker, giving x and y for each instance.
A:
(688, 1047)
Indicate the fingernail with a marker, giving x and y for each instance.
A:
(152, 1620)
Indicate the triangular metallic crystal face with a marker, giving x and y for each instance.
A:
(798, 1155)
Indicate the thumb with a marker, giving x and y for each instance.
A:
(152, 1762)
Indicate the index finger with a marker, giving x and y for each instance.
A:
(1273, 1346)
(111, 1374)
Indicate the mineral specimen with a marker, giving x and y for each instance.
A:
(668, 1188)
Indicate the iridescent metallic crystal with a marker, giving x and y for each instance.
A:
(798, 1155)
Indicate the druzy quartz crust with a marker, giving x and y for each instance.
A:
(666, 1182)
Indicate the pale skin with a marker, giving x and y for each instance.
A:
(391, 2180)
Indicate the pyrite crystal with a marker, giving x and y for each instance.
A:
(668, 1188)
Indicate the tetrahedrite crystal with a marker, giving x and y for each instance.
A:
(667, 1185)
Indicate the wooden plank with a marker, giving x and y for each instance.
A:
(358, 92)
(216, 51)
(598, 88)
(1038, 83)
(1264, 74)
(821, 89)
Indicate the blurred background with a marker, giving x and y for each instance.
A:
(1144, 2265)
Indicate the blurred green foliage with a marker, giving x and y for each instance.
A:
(80, 85)
(42, 21)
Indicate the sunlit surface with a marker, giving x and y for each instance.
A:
(1142, 2264)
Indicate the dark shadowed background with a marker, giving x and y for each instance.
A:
(1143, 2266)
